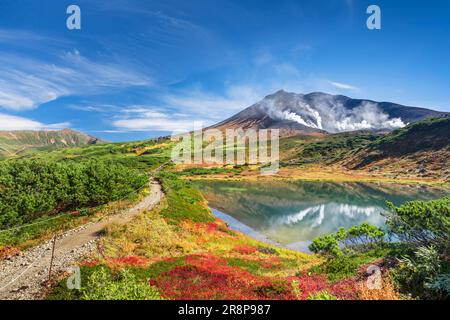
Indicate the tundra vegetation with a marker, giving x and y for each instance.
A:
(47, 192)
(183, 252)
(179, 250)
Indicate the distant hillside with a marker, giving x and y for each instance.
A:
(15, 143)
(329, 149)
(422, 148)
(320, 113)
(419, 149)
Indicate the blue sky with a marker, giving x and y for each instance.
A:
(139, 69)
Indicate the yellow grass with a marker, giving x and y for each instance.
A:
(321, 173)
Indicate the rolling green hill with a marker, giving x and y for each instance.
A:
(419, 149)
(422, 147)
(16, 143)
(329, 149)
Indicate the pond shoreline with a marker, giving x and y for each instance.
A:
(290, 214)
(321, 174)
(236, 225)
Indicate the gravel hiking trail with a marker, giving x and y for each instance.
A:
(23, 277)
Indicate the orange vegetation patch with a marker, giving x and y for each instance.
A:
(133, 261)
(90, 262)
(206, 227)
(270, 263)
(244, 249)
(8, 252)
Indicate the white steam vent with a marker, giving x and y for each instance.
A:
(326, 113)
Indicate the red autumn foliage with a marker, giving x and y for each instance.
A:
(245, 249)
(134, 261)
(90, 263)
(211, 226)
(205, 276)
(309, 284)
(206, 226)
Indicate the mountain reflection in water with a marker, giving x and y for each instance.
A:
(294, 213)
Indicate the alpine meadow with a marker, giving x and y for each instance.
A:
(243, 151)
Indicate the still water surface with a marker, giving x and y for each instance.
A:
(291, 214)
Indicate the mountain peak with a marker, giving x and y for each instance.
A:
(278, 93)
(13, 143)
(319, 113)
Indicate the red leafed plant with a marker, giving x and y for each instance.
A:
(309, 284)
(245, 249)
(205, 277)
(130, 261)
(90, 263)
(209, 227)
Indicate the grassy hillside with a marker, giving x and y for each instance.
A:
(179, 250)
(54, 184)
(422, 148)
(141, 155)
(182, 252)
(301, 150)
(16, 143)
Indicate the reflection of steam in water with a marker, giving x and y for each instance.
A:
(318, 213)
(317, 220)
(294, 213)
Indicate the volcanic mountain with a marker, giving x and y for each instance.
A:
(14, 143)
(320, 113)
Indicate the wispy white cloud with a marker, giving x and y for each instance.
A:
(343, 86)
(92, 107)
(198, 101)
(25, 83)
(146, 119)
(9, 122)
(179, 110)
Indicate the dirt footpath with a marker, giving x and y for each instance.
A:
(23, 276)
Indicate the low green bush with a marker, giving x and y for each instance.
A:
(422, 224)
(422, 246)
(322, 295)
(356, 239)
(101, 285)
(32, 189)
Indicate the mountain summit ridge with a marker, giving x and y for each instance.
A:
(322, 113)
(17, 142)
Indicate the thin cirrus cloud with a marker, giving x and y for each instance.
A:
(178, 111)
(9, 122)
(25, 82)
(145, 119)
(343, 86)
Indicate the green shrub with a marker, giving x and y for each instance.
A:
(421, 230)
(32, 189)
(321, 295)
(422, 223)
(101, 285)
(440, 285)
(421, 274)
(426, 226)
(356, 239)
